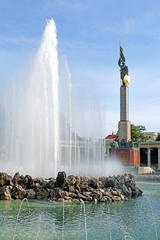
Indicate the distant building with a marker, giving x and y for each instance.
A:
(151, 135)
(109, 139)
(150, 154)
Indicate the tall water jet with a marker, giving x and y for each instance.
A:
(32, 114)
(43, 99)
(41, 124)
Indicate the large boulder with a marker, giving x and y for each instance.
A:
(93, 182)
(5, 179)
(136, 192)
(43, 194)
(39, 183)
(28, 182)
(126, 191)
(51, 184)
(84, 180)
(30, 194)
(25, 181)
(85, 197)
(60, 179)
(5, 193)
(70, 183)
(18, 192)
(54, 194)
(110, 182)
(17, 178)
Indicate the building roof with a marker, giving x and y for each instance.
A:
(111, 137)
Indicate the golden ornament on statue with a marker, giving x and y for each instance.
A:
(126, 80)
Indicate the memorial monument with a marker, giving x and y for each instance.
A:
(121, 144)
(124, 130)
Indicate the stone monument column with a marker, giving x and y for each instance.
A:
(124, 130)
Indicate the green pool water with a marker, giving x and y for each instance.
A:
(136, 219)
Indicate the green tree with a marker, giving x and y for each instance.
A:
(137, 133)
(158, 137)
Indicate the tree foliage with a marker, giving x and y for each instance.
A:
(137, 133)
(158, 137)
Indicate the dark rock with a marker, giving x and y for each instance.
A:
(116, 198)
(107, 194)
(18, 192)
(69, 189)
(39, 183)
(67, 198)
(62, 193)
(110, 182)
(60, 200)
(43, 194)
(60, 179)
(85, 197)
(20, 180)
(72, 195)
(51, 184)
(16, 177)
(77, 183)
(136, 192)
(5, 193)
(30, 194)
(69, 183)
(2, 183)
(71, 180)
(94, 183)
(98, 196)
(103, 199)
(74, 200)
(126, 191)
(85, 188)
(28, 182)
(5, 179)
(84, 180)
(54, 193)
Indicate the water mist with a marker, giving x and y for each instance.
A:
(41, 135)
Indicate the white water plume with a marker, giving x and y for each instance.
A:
(43, 99)
(32, 128)
(41, 131)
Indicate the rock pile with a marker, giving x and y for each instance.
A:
(69, 188)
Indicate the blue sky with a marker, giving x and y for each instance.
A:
(89, 33)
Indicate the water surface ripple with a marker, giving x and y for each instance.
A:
(137, 219)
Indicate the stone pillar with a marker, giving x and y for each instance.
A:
(124, 106)
(158, 158)
(149, 157)
(124, 132)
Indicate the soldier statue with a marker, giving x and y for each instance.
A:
(123, 68)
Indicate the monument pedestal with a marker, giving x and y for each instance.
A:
(124, 132)
(128, 156)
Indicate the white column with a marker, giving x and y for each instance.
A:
(158, 158)
(149, 157)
